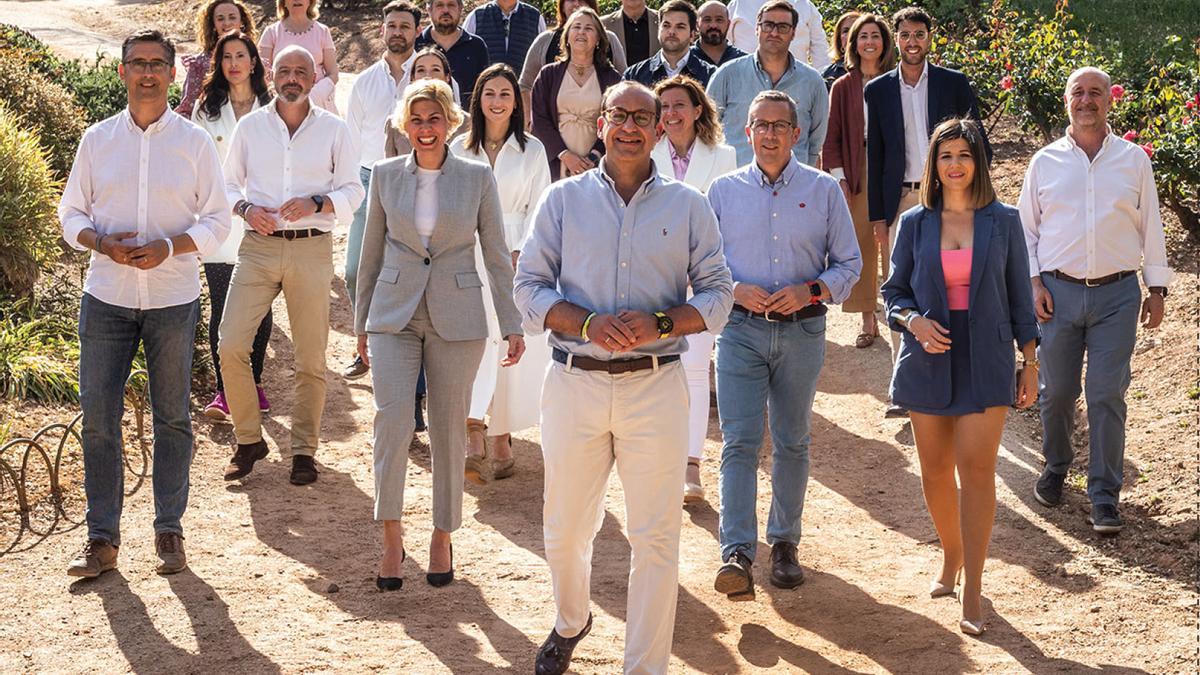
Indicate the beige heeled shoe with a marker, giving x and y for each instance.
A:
(477, 468)
(972, 628)
(693, 491)
(939, 590)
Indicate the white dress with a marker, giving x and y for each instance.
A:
(221, 130)
(510, 397)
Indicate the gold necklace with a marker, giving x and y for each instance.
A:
(493, 145)
(580, 70)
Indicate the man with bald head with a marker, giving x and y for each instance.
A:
(616, 392)
(291, 174)
(1090, 210)
(714, 27)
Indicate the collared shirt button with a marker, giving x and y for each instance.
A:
(777, 260)
(624, 264)
(622, 295)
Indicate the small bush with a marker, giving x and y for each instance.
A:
(29, 231)
(39, 353)
(44, 108)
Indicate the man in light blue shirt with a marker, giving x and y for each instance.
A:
(772, 66)
(790, 245)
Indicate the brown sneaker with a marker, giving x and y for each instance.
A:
(98, 556)
(244, 458)
(169, 547)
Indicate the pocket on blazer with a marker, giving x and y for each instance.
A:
(1006, 332)
(468, 280)
(389, 275)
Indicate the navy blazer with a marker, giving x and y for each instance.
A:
(1001, 306)
(654, 70)
(950, 95)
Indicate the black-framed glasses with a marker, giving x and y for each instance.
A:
(782, 27)
(618, 116)
(156, 66)
(761, 127)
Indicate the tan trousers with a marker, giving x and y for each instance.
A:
(864, 294)
(638, 421)
(302, 269)
(908, 199)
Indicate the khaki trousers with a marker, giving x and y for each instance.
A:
(638, 421)
(908, 199)
(302, 269)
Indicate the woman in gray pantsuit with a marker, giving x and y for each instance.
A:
(420, 303)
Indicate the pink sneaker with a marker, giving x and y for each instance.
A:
(263, 404)
(218, 410)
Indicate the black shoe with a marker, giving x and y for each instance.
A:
(895, 412)
(785, 569)
(244, 458)
(1048, 490)
(419, 416)
(304, 471)
(554, 657)
(392, 583)
(735, 579)
(356, 369)
(439, 579)
(1105, 519)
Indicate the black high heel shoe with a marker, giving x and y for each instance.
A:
(439, 579)
(392, 583)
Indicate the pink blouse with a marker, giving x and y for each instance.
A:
(956, 267)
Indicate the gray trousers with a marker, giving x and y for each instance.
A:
(450, 368)
(1100, 322)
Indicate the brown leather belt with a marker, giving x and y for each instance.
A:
(613, 367)
(298, 234)
(806, 313)
(1098, 281)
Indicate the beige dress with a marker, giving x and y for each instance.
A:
(578, 110)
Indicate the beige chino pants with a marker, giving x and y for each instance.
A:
(302, 269)
(638, 421)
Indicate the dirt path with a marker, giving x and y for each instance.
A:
(281, 577)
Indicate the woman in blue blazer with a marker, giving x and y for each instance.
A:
(960, 292)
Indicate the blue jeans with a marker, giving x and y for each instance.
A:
(108, 339)
(765, 366)
(1101, 322)
(354, 239)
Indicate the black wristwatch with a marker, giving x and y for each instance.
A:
(814, 289)
(665, 325)
(1161, 290)
(319, 201)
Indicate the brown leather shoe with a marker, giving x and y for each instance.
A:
(244, 458)
(304, 470)
(98, 556)
(169, 547)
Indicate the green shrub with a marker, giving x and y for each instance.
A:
(39, 352)
(29, 231)
(44, 108)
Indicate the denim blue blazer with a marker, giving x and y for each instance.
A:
(1001, 305)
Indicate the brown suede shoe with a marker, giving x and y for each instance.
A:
(169, 547)
(98, 556)
(244, 458)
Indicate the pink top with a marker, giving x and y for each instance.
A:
(679, 163)
(956, 266)
(316, 40)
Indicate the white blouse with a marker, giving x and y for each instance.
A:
(522, 177)
(221, 129)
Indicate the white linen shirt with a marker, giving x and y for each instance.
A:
(521, 177)
(267, 167)
(161, 182)
(221, 131)
(809, 44)
(914, 104)
(1093, 218)
(373, 98)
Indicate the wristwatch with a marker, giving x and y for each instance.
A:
(1161, 290)
(665, 325)
(814, 289)
(319, 201)
(907, 319)
(244, 208)
(1035, 362)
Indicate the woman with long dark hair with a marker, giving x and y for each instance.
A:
(236, 86)
(214, 19)
(508, 397)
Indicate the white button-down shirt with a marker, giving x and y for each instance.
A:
(221, 131)
(1093, 218)
(267, 167)
(914, 103)
(372, 101)
(161, 182)
(521, 177)
(809, 44)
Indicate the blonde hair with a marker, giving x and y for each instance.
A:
(429, 90)
(281, 9)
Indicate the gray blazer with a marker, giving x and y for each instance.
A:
(396, 270)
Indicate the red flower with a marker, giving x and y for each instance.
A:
(1130, 136)
(1189, 105)
(1149, 149)
(1008, 67)
(1006, 82)
(1118, 92)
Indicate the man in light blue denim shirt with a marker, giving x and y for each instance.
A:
(791, 247)
(606, 269)
(772, 66)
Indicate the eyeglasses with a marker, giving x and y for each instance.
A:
(617, 117)
(780, 127)
(773, 27)
(905, 36)
(156, 66)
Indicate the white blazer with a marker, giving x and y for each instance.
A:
(521, 178)
(221, 130)
(707, 162)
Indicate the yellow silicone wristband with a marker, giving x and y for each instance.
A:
(583, 331)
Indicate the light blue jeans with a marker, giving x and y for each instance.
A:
(1101, 322)
(108, 339)
(354, 239)
(765, 367)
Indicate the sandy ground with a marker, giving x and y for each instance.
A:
(281, 577)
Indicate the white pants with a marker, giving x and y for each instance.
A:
(696, 361)
(591, 420)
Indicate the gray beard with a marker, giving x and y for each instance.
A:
(712, 39)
